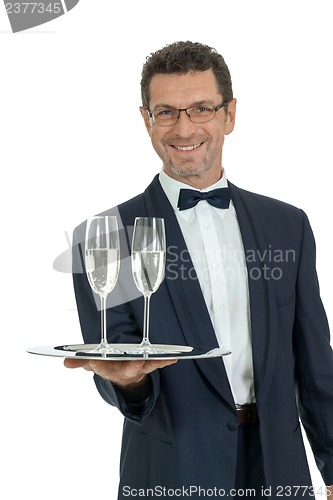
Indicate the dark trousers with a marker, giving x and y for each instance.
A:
(250, 470)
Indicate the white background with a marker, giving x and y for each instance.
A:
(72, 144)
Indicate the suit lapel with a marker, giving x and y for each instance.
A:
(185, 291)
(262, 296)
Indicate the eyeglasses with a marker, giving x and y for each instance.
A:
(197, 114)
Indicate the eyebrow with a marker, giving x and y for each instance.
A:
(197, 103)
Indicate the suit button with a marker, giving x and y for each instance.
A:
(232, 425)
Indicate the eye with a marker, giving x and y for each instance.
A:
(202, 109)
(164, 112)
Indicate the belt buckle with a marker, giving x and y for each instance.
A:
(247, 414)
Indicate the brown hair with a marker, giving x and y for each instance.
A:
(181, 58)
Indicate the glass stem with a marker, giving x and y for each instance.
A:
(145, 340)
(103, 320)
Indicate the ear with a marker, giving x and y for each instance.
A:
(231, 117)
(146, 119)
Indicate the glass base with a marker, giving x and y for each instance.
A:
(145, 348)
(104, 350)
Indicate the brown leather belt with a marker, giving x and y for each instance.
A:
(247, 414)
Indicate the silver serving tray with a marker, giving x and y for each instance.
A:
(82, 351)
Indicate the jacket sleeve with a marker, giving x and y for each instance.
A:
(122, 326)
(314, 359)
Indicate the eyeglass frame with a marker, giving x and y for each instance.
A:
(216, 109)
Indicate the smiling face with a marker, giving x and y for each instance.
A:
(190, 152)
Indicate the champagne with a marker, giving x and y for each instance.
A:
(102, 267)
(148, 270)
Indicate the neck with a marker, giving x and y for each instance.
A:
(196, 181)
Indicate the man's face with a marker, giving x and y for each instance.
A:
(190, 152)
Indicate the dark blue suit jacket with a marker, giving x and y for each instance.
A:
(186, 432)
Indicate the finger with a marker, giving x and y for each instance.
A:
(76, 363)
(151, 366)
(141, 367)
(118, 371)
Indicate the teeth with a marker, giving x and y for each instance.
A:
(187, 148)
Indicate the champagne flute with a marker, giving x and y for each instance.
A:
(148, 265)
(102, 262)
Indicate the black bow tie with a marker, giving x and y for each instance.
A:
(189, 198)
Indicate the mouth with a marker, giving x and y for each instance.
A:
(187, 148)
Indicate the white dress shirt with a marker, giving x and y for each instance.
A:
(215, 245)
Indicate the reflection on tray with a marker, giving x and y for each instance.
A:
(86, 350)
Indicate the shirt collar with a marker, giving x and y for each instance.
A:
(171, 187)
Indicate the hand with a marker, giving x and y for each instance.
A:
(125, 374)
(329, 490)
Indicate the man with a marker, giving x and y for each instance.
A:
(239, 273)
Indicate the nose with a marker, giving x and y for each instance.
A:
(184, 126)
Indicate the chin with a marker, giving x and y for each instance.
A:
(187, 172)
